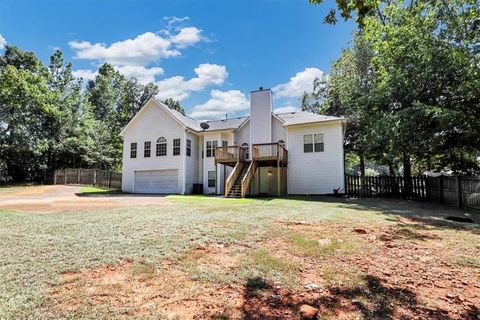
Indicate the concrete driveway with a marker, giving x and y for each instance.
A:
(60, 198)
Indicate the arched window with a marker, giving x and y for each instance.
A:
(161, 147)
(281, 142)
(245, 146)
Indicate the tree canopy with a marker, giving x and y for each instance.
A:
(49, 120)
(409, 86)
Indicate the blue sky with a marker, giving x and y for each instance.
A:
(209, 55)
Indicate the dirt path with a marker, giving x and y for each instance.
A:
(68, 198)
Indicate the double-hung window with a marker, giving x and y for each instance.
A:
(211, 179)
(189, 147)
(176, 147)
(146, 149)
(211, 145)
(313, 142)
(161, 149)
(133, 150)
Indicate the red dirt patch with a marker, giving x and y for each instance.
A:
(400, 271)
(136, 289)
(61, 198)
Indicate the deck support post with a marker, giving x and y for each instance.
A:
(279, 192)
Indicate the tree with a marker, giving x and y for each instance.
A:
(174, 104)
(345, 92)
(28, 114)
(348, 8)
(114, 101)
(422, 97)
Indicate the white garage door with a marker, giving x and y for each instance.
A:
(157, 181)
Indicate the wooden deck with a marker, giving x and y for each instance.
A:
(273, 154)
(265, 154)
(230, 155)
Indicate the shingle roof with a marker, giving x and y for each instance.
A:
(184, 119)
(226, 124)
(288, 118)
(302, 117)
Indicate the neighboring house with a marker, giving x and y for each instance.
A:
(261, 154)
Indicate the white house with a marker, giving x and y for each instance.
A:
(265, 153)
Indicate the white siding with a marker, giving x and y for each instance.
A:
(192, 168)
(153, 123)
(242, 136)
(316, 172)
(209, 163)
(278, 132)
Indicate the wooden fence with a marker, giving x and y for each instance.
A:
(94, 177)
(462, 192)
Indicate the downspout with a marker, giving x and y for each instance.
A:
(184, 153)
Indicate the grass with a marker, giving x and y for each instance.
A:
(319, 248)
(36, 249)
(97, 190)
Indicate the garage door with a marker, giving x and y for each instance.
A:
(157, 181)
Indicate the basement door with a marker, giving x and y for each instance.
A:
(156, 181)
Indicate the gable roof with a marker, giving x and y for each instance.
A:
(180, 117)
(288, 119)
(302, 117)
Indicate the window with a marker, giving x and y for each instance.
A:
(224, 143)
(161, 147)
(189, 147)
(176, 147)
(133, 150)
(211, 145)
(146, 149)
(318, 142)
(313, 142)
(211, 179)
(245, 146)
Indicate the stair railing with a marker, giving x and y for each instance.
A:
(247, 179)
(232, 177)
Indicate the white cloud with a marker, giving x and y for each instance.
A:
(3, 42)
(143, 75)
(298, 84)
(142, 50)
(286, 109)
(85, 74)
(173, 22)
(179, 89)
(186, 37)
(220, 103)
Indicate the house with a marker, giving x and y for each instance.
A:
(262, 154)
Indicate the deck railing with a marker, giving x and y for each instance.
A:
(248, 178)
(270, 151)
(232, 177)
(230, 154)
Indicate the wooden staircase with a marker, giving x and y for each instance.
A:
(236, 189)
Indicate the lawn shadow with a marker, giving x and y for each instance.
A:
(422, 213)
(118, 194)
(373, 300)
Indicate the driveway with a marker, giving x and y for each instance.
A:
(68, 198)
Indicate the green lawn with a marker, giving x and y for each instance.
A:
(269, 239)
(98, 190)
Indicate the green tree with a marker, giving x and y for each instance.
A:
(174, 104)
(421, 101)
(28, 115)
